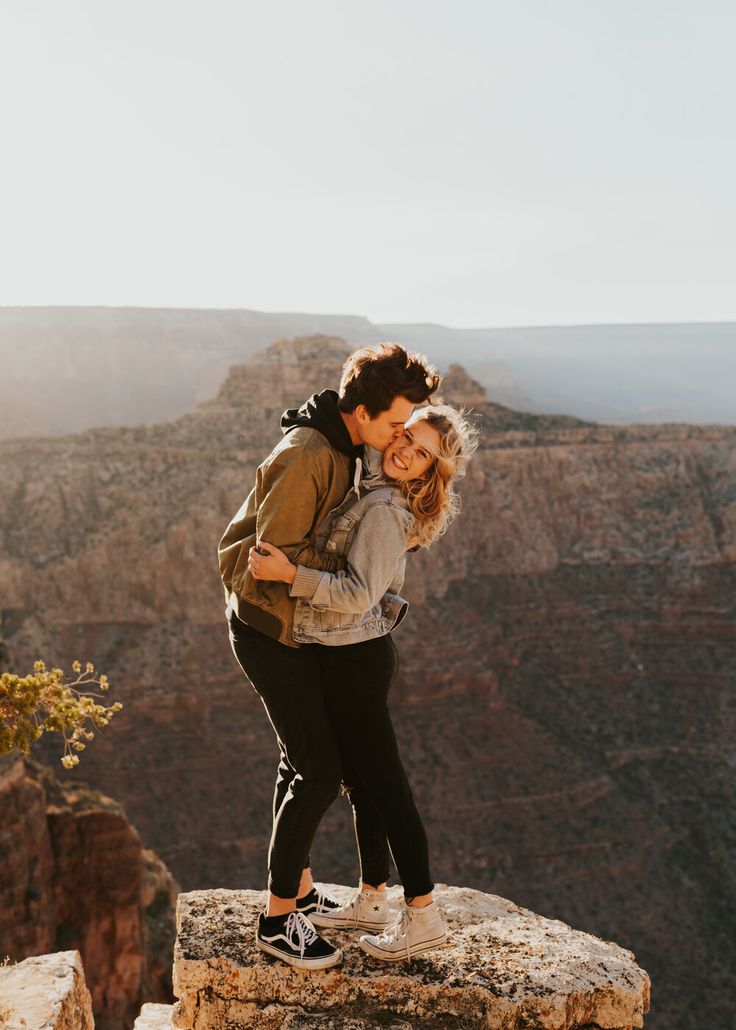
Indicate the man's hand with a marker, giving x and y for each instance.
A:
(273, 565)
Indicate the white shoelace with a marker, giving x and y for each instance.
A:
(355, 906)
(352, 906)
(297, 925)
(322, 898)
(324, 902)
(394, 932)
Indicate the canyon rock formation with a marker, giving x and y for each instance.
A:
(565, 703)
(74, 875)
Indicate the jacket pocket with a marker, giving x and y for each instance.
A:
(341, 532)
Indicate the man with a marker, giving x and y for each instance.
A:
(306, 475)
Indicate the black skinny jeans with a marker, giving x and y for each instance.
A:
(329, 709)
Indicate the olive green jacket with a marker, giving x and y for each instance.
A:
(301, 481)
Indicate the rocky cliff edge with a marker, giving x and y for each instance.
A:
(504, 967)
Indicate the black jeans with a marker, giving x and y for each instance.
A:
(357, 679)
(288, 681)
(328, 707)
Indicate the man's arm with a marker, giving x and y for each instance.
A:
(290, 490)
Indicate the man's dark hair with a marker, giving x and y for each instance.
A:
(376, 376)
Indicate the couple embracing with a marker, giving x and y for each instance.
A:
(313, 565)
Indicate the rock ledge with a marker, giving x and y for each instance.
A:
(505, 968)
(46, 992)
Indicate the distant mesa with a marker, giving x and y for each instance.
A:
(459, 387)
(271, 378)
(496, 378)
(302, 349)
(308, 364)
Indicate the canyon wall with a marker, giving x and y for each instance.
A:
(565, 703)
(74, 876)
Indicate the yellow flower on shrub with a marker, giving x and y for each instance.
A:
(47, 702)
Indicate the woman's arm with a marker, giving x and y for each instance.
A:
(377, 549)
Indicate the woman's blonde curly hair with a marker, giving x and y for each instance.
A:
(432, 498)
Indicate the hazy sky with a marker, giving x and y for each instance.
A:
(471, 163)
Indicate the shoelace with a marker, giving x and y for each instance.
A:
(297, 925)
(322, 898)
(399, 926)
(355, 905)
(325, 897)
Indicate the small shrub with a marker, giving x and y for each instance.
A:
(48, 701)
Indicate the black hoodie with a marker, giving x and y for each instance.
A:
(320, 412)
(323, 461)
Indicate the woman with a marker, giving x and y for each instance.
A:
(406, 505)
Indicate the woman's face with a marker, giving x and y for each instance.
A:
(410, 454)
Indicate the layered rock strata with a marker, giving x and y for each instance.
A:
(74, 874)
(502, 967)
(46, 992)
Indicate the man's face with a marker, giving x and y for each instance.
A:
(378, 432)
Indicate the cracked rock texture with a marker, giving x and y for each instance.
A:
(505, 967)
(46, 992)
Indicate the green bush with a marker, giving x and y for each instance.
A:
(48, 701)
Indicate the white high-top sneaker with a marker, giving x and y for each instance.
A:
(367, 910)
(414, 931)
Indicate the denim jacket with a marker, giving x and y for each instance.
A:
(362, 602)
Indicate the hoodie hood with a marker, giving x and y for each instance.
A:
(320, 412)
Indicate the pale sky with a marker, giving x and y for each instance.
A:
(473, 163)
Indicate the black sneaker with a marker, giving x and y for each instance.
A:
(294, 940)
(317, 903)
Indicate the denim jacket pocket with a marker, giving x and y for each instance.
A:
(341, 532)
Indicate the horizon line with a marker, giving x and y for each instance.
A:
(365, 318)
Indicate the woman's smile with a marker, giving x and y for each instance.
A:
(411, 454)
